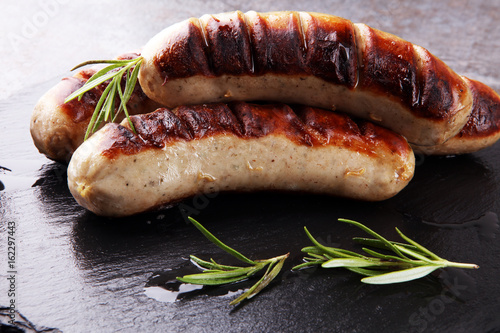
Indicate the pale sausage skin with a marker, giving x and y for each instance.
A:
(58, 128)
(482, 128)
(235, 147)
(307, 58)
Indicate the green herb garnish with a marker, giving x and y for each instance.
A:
(409, 261)
(105, 108)
(216, 274)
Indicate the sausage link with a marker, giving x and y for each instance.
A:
(482, 128)
(179, 153)
(308, 58)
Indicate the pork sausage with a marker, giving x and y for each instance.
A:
(482, 128)
(308, 58)
(176, 154)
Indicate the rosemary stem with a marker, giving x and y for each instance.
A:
(95, 62)
(461, 265)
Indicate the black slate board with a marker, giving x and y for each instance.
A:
(77, 272)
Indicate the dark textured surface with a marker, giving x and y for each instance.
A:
(80, 273)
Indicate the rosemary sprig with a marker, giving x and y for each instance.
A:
(106, 106)
(411, 261)
(216, 274)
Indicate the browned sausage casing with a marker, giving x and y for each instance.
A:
(482, 128)
(235, 147)
(308, 58)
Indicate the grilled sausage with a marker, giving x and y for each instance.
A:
(308, 58)
(482, 128)
(58, 128)
(235, 147)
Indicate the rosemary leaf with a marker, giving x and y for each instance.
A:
(210, 281)
(350, 262)
(107, 61)
(350, 253)
(211, 264)
(110, 105)
(86, 87)
(264, 281)
(218, 274)
(129, 89)
(307, 264)
(221, 245)
(378, 254)
(104, 110)
(414, 254)
(103, 71)
(132, 80)
(401, 276)
(95, 115)
(315, 256)
(327, 250)
(379, 244)
(247, 293)
(420, 247)
(374, 234)
(364, 271)
(269, 276)
(123, 105)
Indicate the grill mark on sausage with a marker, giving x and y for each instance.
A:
(228, 42)
(302, 33)
(206, 46)
(358, 47)
(245, 23)
(388, 65)
(439, 88)
(331, 53)
(203, 121)
(120, 138)
(185, 54)
(300, 124)
(276, 43)
(159, 129)
(484, 120)
(276, 119)
(79, 110)
(251, 124)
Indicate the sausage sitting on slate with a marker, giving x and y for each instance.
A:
(238, 146)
